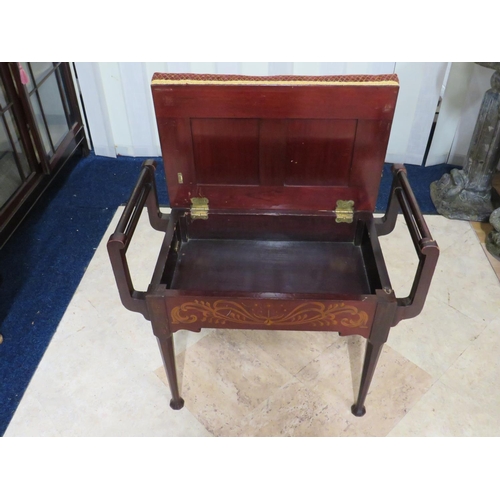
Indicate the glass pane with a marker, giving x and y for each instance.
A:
(40, 69)
(3, 95)
(64, 95)
(41, 125)
(10, 180)
(14, 133)
(53, 110)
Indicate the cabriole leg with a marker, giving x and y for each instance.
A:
(372, 354)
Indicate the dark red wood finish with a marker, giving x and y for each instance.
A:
(220, 145)
(351, 317)
(344, 102)
(319, 152)
(271, 266)
(265, 147)
(273, 162)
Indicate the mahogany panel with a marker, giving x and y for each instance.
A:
(368, 157)
(249, 152)
(226, 151)
(176, 145)
(246, 101)
(319, 152)
(279, 197)
(270, 227)
(195, 312)
(272, 152)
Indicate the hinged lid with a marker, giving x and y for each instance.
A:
(285, 143)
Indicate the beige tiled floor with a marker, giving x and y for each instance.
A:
(102, 376)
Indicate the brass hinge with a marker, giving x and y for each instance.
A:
(344, 211)
(199, 208)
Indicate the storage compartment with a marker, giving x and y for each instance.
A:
(271, 254)
(271, 266)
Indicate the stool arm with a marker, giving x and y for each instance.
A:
(425, 246)
(144, 194)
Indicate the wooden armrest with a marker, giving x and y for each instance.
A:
(427, 249)
(144, 194)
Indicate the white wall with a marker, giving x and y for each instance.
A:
(90, 81)
(120, 113)
(450, 114)
(420, 87)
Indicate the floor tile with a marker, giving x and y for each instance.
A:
(223, 377)
(80, 315)
(293, 410)
(446, 232)
(397, 385)
(91, 384)
(436, 337)
(465, 281)
(291, 349)
(476, 373)
(444, 412)
(30, 420)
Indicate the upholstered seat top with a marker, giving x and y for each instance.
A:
(292, 80)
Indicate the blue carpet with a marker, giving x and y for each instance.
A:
(44, 261)
(420, 179)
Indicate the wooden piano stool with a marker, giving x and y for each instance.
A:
(273, 183)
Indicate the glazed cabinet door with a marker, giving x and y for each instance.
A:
(40, 128)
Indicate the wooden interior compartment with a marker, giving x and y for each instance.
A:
(292, 253)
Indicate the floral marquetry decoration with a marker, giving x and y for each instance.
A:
(315, 314)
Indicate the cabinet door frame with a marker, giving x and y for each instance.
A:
(44, 166)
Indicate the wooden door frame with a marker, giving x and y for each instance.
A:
(44, 170)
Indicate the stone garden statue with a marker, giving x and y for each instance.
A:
(493, 239)
(467, 194)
